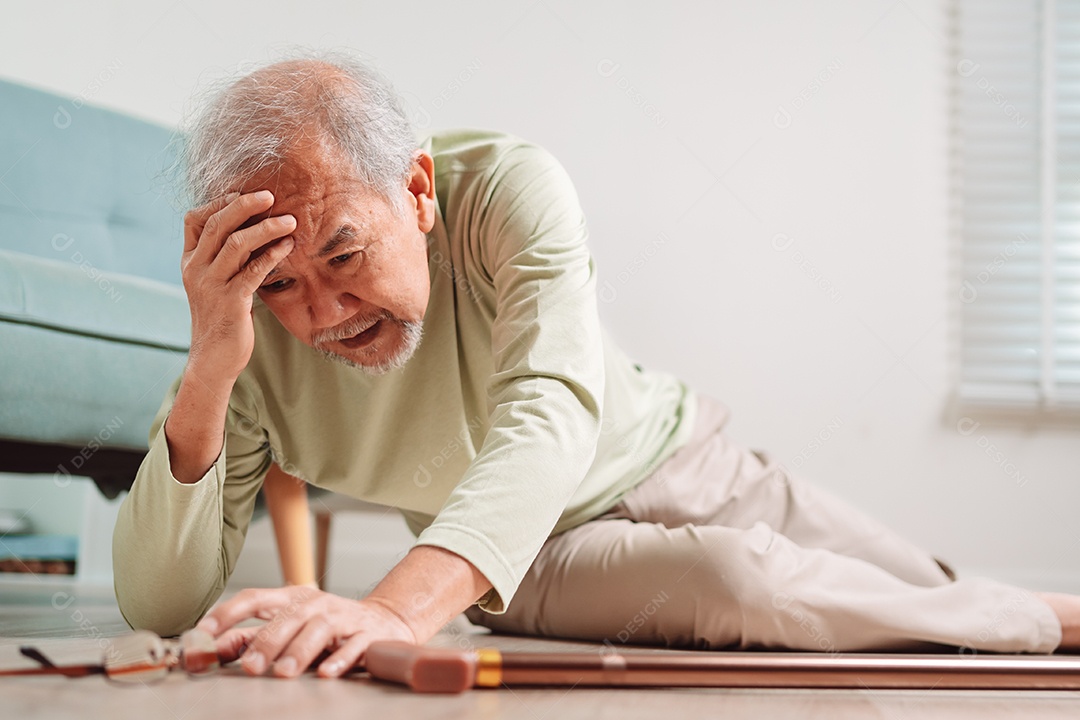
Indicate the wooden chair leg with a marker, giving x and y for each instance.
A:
(287, 502)
(322, 545)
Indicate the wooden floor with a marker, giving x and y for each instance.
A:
(74, 632)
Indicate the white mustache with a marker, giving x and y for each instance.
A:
(348, 329)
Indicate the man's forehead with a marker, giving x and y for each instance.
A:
(323, 209)
(308, 175)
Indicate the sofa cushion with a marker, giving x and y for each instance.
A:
(88, 355)
(74, 296)
(87, 392)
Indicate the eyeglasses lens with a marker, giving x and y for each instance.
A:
(198, 652)
(136, 658)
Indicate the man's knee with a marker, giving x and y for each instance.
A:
(734, 580)
(737, 560)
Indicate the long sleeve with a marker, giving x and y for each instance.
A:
(546, 393)
(175, 544)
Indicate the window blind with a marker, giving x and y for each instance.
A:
(1016, 144)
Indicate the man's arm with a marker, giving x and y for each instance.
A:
(175, 544)
(180, 528)
(527, 232)
(221, 272)
(428, 588)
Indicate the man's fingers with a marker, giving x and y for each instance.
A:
(244, 605)
(346, 657)
(195, 219)
(286, 609)
(270, 641)
(315, 636)
(232, 644)
(254, 273)
(245, 245)
(213, 229)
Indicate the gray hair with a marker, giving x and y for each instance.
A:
(250, 124)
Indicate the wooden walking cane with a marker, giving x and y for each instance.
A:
(436, 670)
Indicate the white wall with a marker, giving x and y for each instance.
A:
(704, 137)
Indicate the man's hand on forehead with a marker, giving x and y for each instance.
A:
(255, 219)
(230, 246)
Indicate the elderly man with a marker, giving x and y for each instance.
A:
(360, 303)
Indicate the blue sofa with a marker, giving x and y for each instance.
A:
(94, 323)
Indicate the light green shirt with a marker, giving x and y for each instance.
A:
(516, 418)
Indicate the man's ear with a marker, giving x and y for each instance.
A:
(421, 188)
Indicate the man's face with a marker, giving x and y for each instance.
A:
(356, 283)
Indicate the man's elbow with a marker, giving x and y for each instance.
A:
(142, 611)
(166, 606)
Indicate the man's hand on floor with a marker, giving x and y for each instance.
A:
(302, 622)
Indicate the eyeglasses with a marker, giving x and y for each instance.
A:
(137, 658)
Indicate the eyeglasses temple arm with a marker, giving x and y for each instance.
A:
(49, 668)
(34, 654)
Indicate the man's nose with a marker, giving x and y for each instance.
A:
(328, 307)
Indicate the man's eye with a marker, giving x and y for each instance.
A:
(341, 259)
(276, 286)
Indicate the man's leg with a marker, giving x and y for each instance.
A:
(714, 481)
(712, 587)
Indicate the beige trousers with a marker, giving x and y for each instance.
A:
(722, 547)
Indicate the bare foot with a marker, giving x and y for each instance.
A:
(1067, 608)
